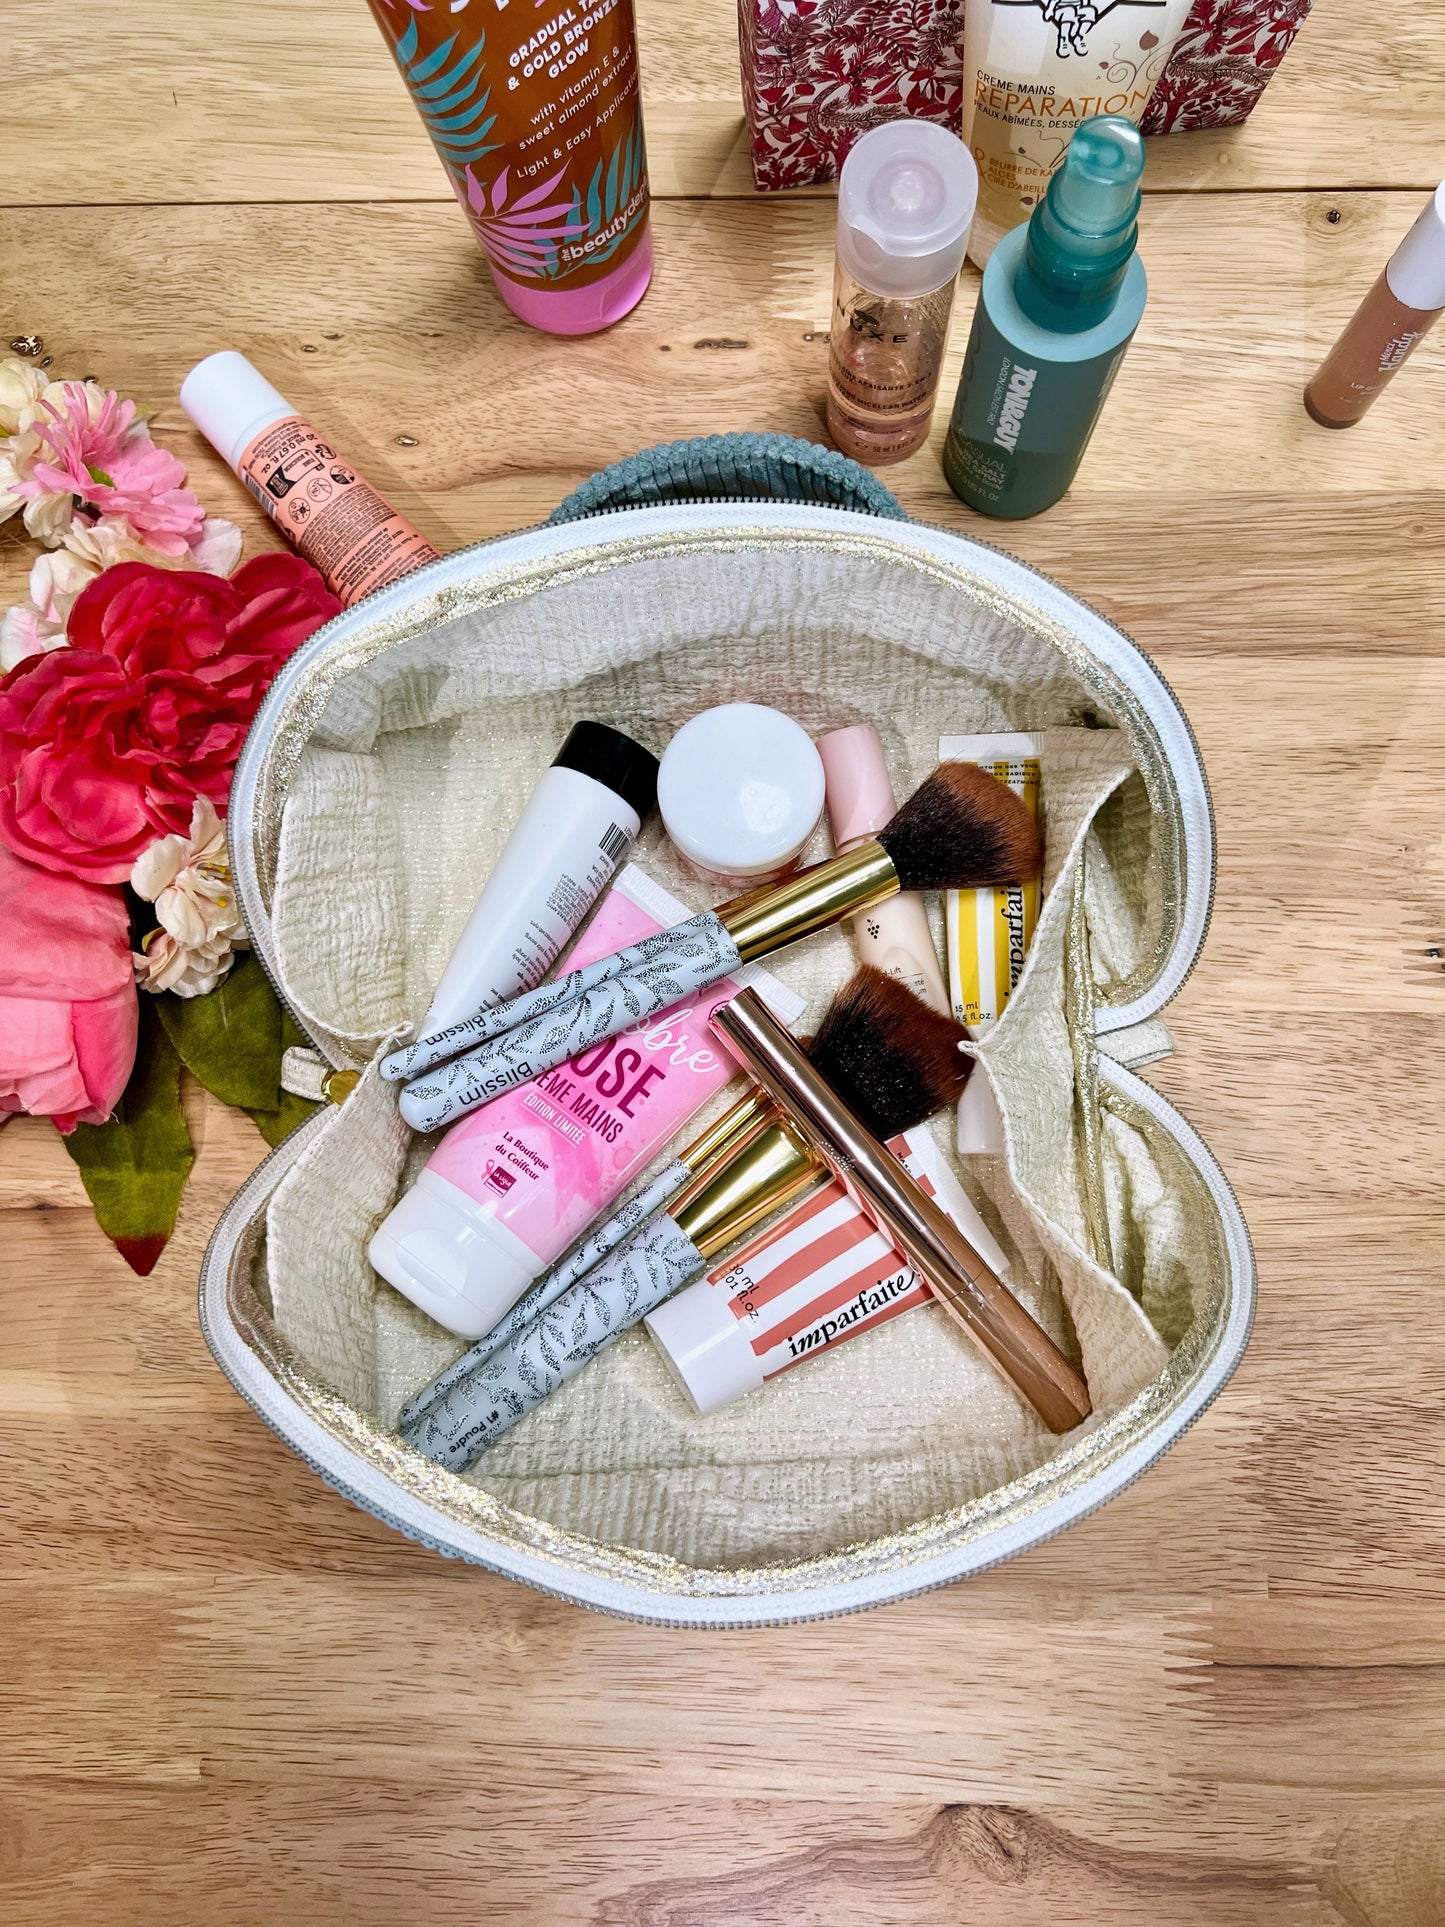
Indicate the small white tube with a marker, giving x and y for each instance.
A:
(580, 821)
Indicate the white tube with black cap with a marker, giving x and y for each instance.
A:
(580, 821)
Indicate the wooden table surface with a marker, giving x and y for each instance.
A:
(227, 1697)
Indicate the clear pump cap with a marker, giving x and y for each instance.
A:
(906, 198)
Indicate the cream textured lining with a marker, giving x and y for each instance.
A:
(403, 797)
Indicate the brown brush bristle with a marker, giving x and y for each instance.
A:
(960, 830)
(892, 1057)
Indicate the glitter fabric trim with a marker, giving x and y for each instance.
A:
(453, 1499)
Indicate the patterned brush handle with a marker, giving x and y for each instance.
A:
(439, 1045)
(547, 1290)
(474, 1414)
(680, 962)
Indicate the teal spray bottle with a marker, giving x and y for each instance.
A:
(1060, 301)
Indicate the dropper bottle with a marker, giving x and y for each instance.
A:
(1060, 301)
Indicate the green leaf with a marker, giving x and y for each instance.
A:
(135, 1167)
(231, 1041)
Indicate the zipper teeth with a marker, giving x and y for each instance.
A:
(258, 1177)
(754, 502)
(240, 1206)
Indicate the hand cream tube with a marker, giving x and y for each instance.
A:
(815, 1277)
(988, 932)
(510, 1186)
(1032, 72)
(326, 511)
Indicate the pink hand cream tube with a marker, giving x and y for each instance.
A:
(511, 1186)
(818, 1275)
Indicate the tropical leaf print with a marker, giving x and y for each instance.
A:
(521, 237)
(613, 183)
(449, 96)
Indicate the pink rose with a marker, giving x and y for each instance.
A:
(233, 635)
(68, 1009)
(105, 746)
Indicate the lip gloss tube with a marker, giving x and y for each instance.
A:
(326, 510)
(1398, 312)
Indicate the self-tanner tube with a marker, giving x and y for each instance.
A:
(817, 1276)
(1060, 301)
(1033, 70)
(535, 114)
(988, 931)
(325, 509)
(513, 1184)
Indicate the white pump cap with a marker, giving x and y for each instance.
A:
(231, 402)
(1416, 270)
(905, 206)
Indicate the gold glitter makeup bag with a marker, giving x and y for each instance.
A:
(382, 776)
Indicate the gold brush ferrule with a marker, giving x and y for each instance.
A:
(764, 1173)
(767, 920)
(724, 1134)
(911, 1220)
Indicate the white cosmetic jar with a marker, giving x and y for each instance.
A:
(740, 790)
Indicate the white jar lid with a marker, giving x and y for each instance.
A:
(741, 789)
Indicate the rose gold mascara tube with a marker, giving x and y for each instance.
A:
(998, 1324)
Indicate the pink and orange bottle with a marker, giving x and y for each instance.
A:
(536, 114)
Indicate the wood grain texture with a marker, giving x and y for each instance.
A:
(300, 102)
(231, 1700)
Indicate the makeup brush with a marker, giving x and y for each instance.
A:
(897, 1058)
(962, 1283)
(960, 829)
(703, 1154)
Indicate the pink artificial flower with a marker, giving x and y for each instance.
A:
(109, 461)
(68, 1009)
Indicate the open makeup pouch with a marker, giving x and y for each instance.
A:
(384, 772)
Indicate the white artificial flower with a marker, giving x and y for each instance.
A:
(25, 632)
(217, 547)
(190, 970)
(49, 516)
(111, 539)
(56, 579)
(21, 386)
(188, 879)
(10, 474)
